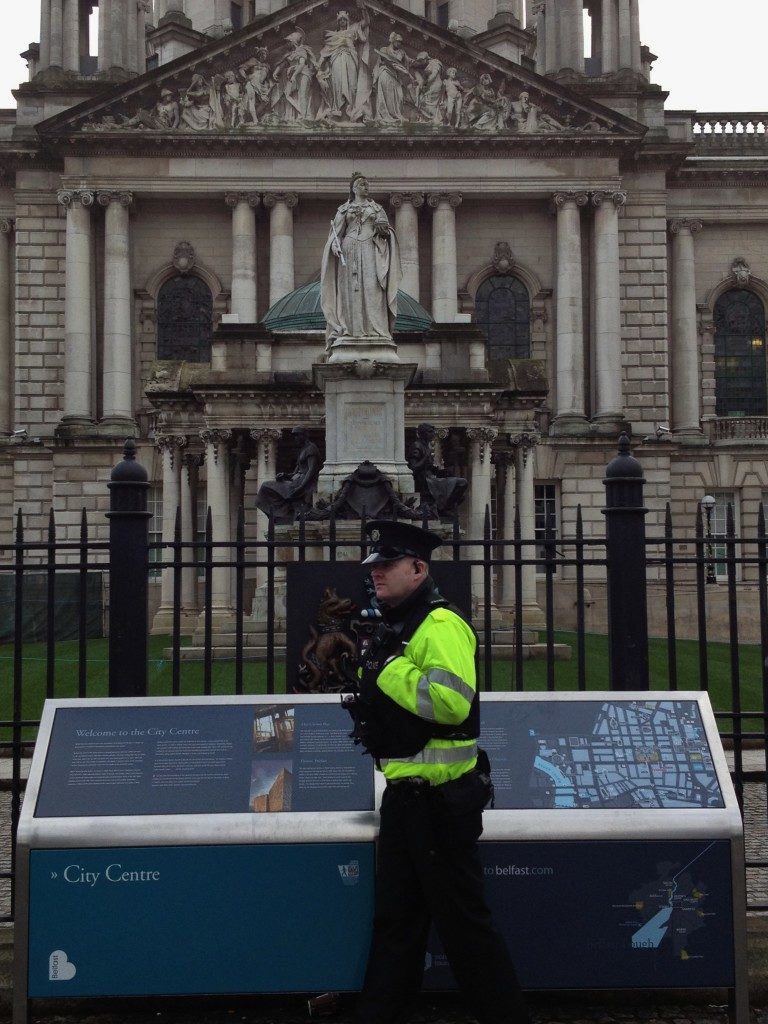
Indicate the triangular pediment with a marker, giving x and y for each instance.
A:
(334, 71)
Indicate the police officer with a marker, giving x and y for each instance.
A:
(417, 713)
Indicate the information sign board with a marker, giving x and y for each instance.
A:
(197, 919)
(203, 759)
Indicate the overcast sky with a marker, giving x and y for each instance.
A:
(711, 55)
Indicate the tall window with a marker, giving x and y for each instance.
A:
(236, 15)
(155, 509)
(443, 14)
(545, 515)
(740, 381)
(503, 312)
(185, 319)
(719, 531)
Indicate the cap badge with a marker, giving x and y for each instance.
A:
(375, 536)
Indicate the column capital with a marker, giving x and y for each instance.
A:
(483, 437)
(7, 225)
(524, 442)
(171, 443)
(618, 199)
(74, 197)
(192, 460)
(503, 457)
(290, 199)
(215, 438)
(144, 5)
(561, 199)
(233, 199)
(685, 224)
(107, 197)
(453, 198)
(414, 199)
(262, 434)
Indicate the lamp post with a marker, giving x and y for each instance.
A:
(708, 503)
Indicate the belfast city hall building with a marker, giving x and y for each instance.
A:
(577, 260)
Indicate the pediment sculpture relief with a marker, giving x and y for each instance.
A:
(351, 74)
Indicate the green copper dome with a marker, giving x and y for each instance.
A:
(300, 311)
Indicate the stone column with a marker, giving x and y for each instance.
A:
(57, 33)
(609, 405)
(6, 333)
(406, 206)
(266, 439)
(634, 35)
(105, 57)
(243, 205)
(625, 35)
(145, 9)
(170, 449)
(281, 266)
(610, 37)
(45, 34)
(117, 400)
(481, 441)
(191, 461)
(71, 36)
(572, 35)
(217, 469)
(570, 408)
(506, 459)
(552, 55)
(445, 286)
(686, 400)
(132, 35)
(540, 18)
(525, 472)
(78, 308)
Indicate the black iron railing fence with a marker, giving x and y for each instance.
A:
(606, 651)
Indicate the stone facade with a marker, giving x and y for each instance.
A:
(134, 208)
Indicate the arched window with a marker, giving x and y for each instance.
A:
(740, 381)
(185, 319)
(503, 312)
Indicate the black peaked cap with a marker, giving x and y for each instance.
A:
(391, 540)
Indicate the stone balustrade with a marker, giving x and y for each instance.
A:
(738, 428)
(730, 132)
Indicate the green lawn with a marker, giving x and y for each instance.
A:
(254, 674)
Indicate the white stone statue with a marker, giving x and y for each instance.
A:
(344, 70)
(361, 270)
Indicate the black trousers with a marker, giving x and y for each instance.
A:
(428, 870)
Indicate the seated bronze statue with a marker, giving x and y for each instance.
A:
(290, 494)
(440, 494)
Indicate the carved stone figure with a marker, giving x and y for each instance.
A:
(296, 76)
(164, 115)
(291, 493)
(440, 493)
(351, 82)
(366, 492)
(361, 270)
(258, 85)
(197, 110)
(390, 79)
(344, 69)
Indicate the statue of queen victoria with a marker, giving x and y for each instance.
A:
(360, 271)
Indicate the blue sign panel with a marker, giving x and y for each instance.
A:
(203, 759)
(594, 754)
(625, 914)
(171, 920)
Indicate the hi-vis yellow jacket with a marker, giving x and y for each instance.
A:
(435, 678)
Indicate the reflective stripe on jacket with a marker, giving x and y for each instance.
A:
(435, 679)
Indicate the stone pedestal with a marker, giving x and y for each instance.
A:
(364, 420)
(369, 350)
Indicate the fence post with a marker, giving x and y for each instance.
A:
(625, 552)
(128, 574)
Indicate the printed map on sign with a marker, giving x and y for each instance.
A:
(649, 754)
(672, 907)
